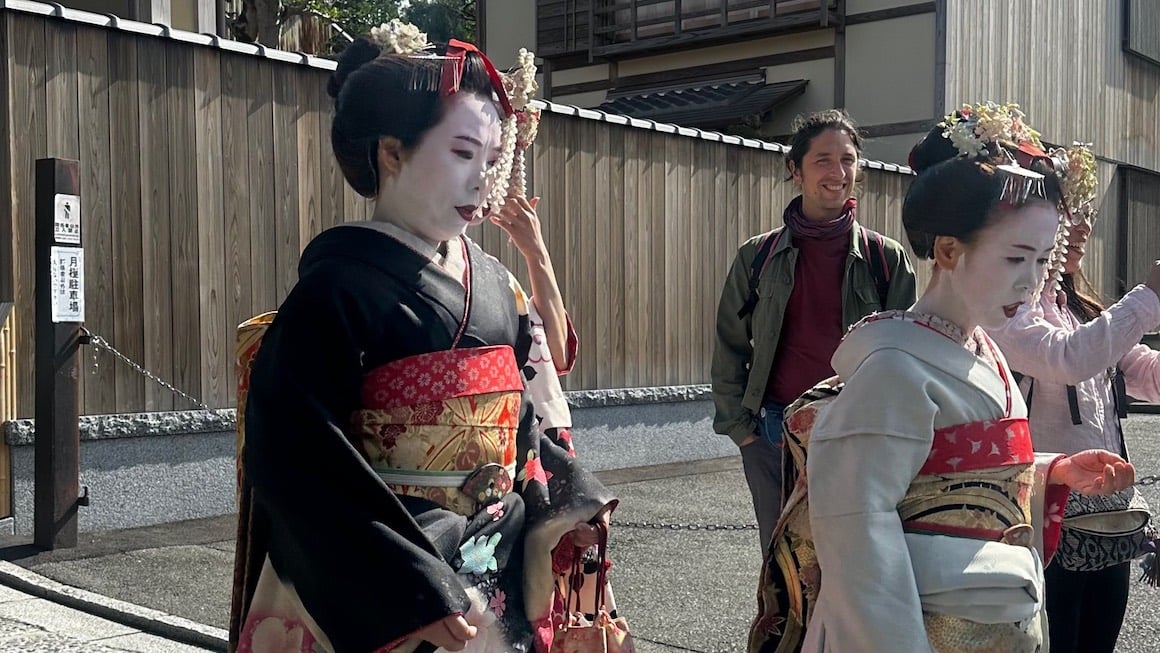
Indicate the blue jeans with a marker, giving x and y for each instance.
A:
(762, 464)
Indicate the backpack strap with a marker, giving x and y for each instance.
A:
(876, 257)
(768, 242)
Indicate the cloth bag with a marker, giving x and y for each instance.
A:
(1103, 531)
(602, 634)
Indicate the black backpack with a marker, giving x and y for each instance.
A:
(878, 266)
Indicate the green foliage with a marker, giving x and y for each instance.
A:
(441, 19)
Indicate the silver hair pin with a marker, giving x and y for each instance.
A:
(1020, 183)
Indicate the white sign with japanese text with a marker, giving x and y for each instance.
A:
(66, 221)
(68, 284)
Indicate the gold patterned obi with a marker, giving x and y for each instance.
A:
(976, 483)
(442, 426)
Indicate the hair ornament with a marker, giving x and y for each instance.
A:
(398, 37)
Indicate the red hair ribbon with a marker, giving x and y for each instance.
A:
(453, 73)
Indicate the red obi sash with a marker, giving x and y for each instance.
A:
(429, 423)
(980, 445)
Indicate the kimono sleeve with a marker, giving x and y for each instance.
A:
(361, 565)
(866, 448)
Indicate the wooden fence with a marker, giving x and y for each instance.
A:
(205, 172)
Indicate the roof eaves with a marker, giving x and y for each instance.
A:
(163, 31)
(717, 137)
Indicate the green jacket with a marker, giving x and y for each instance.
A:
(743, 357)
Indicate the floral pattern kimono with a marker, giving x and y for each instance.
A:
(394, 472)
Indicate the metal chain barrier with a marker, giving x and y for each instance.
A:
(100, 343)
(1151, 479)
(667, 526)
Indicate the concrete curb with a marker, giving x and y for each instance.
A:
(147, 620)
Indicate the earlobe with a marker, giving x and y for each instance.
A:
(947, 251)
(391, 157)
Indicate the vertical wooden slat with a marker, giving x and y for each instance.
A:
(585, 247)
(642, 310)
(601, 256)
(125, 159)
(631, 279)
(7, 226)
(286, 187)
(238, 155)
(215, 333)
(8, 373)
(333, 198)
(156, 182)
(260, 166)
(616, 254)
(183, 218)
(658, 265)
(25, 40)
(97, 216)
(309, 174)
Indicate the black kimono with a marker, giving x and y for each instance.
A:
(393, 472)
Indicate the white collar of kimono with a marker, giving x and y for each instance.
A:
(934, 347)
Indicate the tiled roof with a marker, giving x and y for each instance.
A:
(715, 105)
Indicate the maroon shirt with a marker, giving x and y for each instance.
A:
(812, 325)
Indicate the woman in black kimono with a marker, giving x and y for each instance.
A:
(398, 493)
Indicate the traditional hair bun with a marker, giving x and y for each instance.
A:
(933, 149)
(358, 53)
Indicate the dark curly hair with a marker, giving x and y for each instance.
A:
(378, 95)
(809, 126)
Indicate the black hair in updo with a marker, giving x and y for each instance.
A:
(377, 96)
(957, 195)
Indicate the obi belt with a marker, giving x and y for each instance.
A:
(442, 426)
(976, 483)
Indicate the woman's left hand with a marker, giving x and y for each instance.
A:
(518, 218)
(586, 534)
(1095, 471)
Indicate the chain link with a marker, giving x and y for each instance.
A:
(667, 526)
(102, 344)
(1151, 479)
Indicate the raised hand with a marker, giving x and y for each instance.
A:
(1094, 471)
(518, 218)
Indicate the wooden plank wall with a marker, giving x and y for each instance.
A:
(642, 241)
(1076, 74)
(204, 173)
(193, 161)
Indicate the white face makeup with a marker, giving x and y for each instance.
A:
(441, 183)
(1005, 265)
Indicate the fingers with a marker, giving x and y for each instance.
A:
(458, 627)
(452, 634)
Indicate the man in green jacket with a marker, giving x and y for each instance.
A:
(790, 296)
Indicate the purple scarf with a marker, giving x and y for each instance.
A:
(802, 227)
